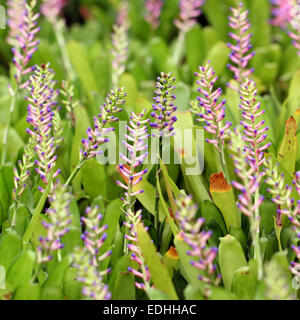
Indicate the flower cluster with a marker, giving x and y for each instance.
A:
(295, 26)
(136, 147)
(88, 274)
(96, 136)
(41, 110)
(94, 236)
(25, 165)
(57, 226)
(249, 199)
(132, 221)
(15, 14)
(87, 260)
(120, 44)
(153, 12)
(211, 110)
(281, 193)
(255, 131)
(163, 107)
(239, 54)
(27, 43)
(51, 9)
(190, 226)
(67, 91)
(281, 12)
(189, 11)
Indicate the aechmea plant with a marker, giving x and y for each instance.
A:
(211, 110)
(41, 110)
(94, 236)
(281, 12)
(27, 43)
(249, 200)
(255, 129)
(120, 44)
(136, 144)
(153, 11)
(142, 272)
(294, 24)
(88, 274)
(57, 226)
(202, 256)
(240, 48)
(164, 107)
(15, 17)
(96, 136)
(189, 12)
(87, 260)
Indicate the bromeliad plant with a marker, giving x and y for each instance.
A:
(220, 220)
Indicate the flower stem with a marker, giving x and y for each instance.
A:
(65, 56)
(178, 50)
(34, 220)
(75, 171)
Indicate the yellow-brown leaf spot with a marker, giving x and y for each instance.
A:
(172, 253)
(290, 126)
(218, 183)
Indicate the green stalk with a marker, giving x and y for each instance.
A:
(65, 56)
(75, 171)
(34, 220)
(178, 50)
(5, 136)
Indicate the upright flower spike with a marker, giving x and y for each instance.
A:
(163, 107)
(197, 239)
(153, 12)
(136, 146)
(210, 109)
(94, 236)
(96, 136)
(189, 12)
(51, 9)
(21, 177)
(295, 26)
(67, 91)
(255, 131)
(249, 198)
(27, 43)
(88, 274)
(281, 12)
(59, 220)
(240, 48)
(41, 110)
(15, 13)
(120, 44)
(132, 221)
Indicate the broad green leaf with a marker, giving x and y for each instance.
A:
(194, 48)
(128, 82)
(244, 283)
(30, 291)
(182, 93)
(159, 274)
(71, 287)
(218, 56)
(10, 247)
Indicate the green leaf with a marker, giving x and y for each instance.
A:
(57, 276)
(194, 48)
(210, 212)
(93, 178)
(183, 95)
(71, 240)
(288, 148)
(10, 247)
(71, 287)
(29, 291)
(51, 292)
(159, 52)
(128, 82)
(244, 283)
(159, 274)
(231, 258)
(2, 277)
(218, 56)
(21, 270)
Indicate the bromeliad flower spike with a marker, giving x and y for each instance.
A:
(255, 131)
(295, 26)
(211, 110)
(163, 107)
(202, 255)
(27, 43)
(189, 11)
(240, 48)
(15, 14)
(41, 110)
(96, 136)
(152, 15)
(281, 11)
